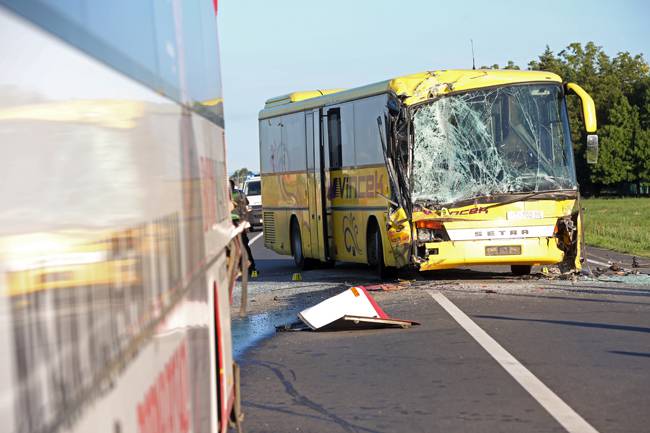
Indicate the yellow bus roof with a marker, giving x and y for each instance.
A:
(414, 88)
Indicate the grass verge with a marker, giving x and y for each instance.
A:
(620, 224)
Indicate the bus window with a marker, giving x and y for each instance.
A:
(309, 136)
(366, 133)
(334, 137)
(293, 140)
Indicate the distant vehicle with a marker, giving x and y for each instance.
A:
(117, 251)
(433, 170)
(253, 191)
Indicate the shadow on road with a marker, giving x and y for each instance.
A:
(571, 323)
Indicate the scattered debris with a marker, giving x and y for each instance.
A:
(545, 270)
(353, 309)
(391, 287)
(489, 291)
(616, 267)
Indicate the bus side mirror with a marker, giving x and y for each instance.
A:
(592, 149)
(588, 107)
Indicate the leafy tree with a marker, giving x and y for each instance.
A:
(619, 83)
(616, 160)
(240, 175)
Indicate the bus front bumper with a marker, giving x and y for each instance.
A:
(451, 254)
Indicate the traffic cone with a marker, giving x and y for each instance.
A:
(254, 274)
(296, 277)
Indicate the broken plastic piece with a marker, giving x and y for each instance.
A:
(353, 309)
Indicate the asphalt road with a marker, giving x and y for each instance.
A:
(493, 353)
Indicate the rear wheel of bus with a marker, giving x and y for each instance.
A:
(521, 269)
(296, 244)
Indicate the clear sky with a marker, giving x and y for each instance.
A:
(270, 48)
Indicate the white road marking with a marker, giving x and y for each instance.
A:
(251, 241)
(554, 405)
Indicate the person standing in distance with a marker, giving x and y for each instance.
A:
(239, 215)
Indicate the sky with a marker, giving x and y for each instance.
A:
(271, 48)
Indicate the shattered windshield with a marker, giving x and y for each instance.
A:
(492, 141)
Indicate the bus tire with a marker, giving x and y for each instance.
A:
(376, 252)
(296, 245)
(521, 269)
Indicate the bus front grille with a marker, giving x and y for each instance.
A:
(269, 228)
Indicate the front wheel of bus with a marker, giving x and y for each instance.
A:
(520, 269)
(296, 245)
(376, 254)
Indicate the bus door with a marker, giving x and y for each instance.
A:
(315, 176)
(331, 159)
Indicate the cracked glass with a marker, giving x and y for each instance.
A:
(492, 141)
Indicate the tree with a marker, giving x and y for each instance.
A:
(616, 162)
(607, 80)
(240, 175)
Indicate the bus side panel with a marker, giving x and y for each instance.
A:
(283, 162)
(354, 195)
(285, 195)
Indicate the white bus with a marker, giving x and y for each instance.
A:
(115, 276)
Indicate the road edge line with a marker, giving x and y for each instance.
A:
(554, 405)
(250, 242)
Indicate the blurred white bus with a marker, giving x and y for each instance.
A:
(114, 225)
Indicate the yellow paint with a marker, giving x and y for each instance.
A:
(285, 196)
(74, 275)
(535, 251)
(588, 107)
(299, 96)
(355, 195)
(414, 88)
(399, 236)
(110, 113)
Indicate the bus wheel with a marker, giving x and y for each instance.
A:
(376, 253)
(296, 245)
(520, 269)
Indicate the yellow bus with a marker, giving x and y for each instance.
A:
(434, 170)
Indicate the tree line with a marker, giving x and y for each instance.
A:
(620, 86)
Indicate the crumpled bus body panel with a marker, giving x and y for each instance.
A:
(518, 233)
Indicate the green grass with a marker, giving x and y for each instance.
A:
(620, 224)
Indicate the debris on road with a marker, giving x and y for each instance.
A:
(353, 309)
(391, 287)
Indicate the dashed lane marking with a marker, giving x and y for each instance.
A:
(554, 405)
(250, 242)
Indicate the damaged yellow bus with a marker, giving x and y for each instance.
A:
(435, 170)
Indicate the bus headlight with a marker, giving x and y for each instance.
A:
(431, 231)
